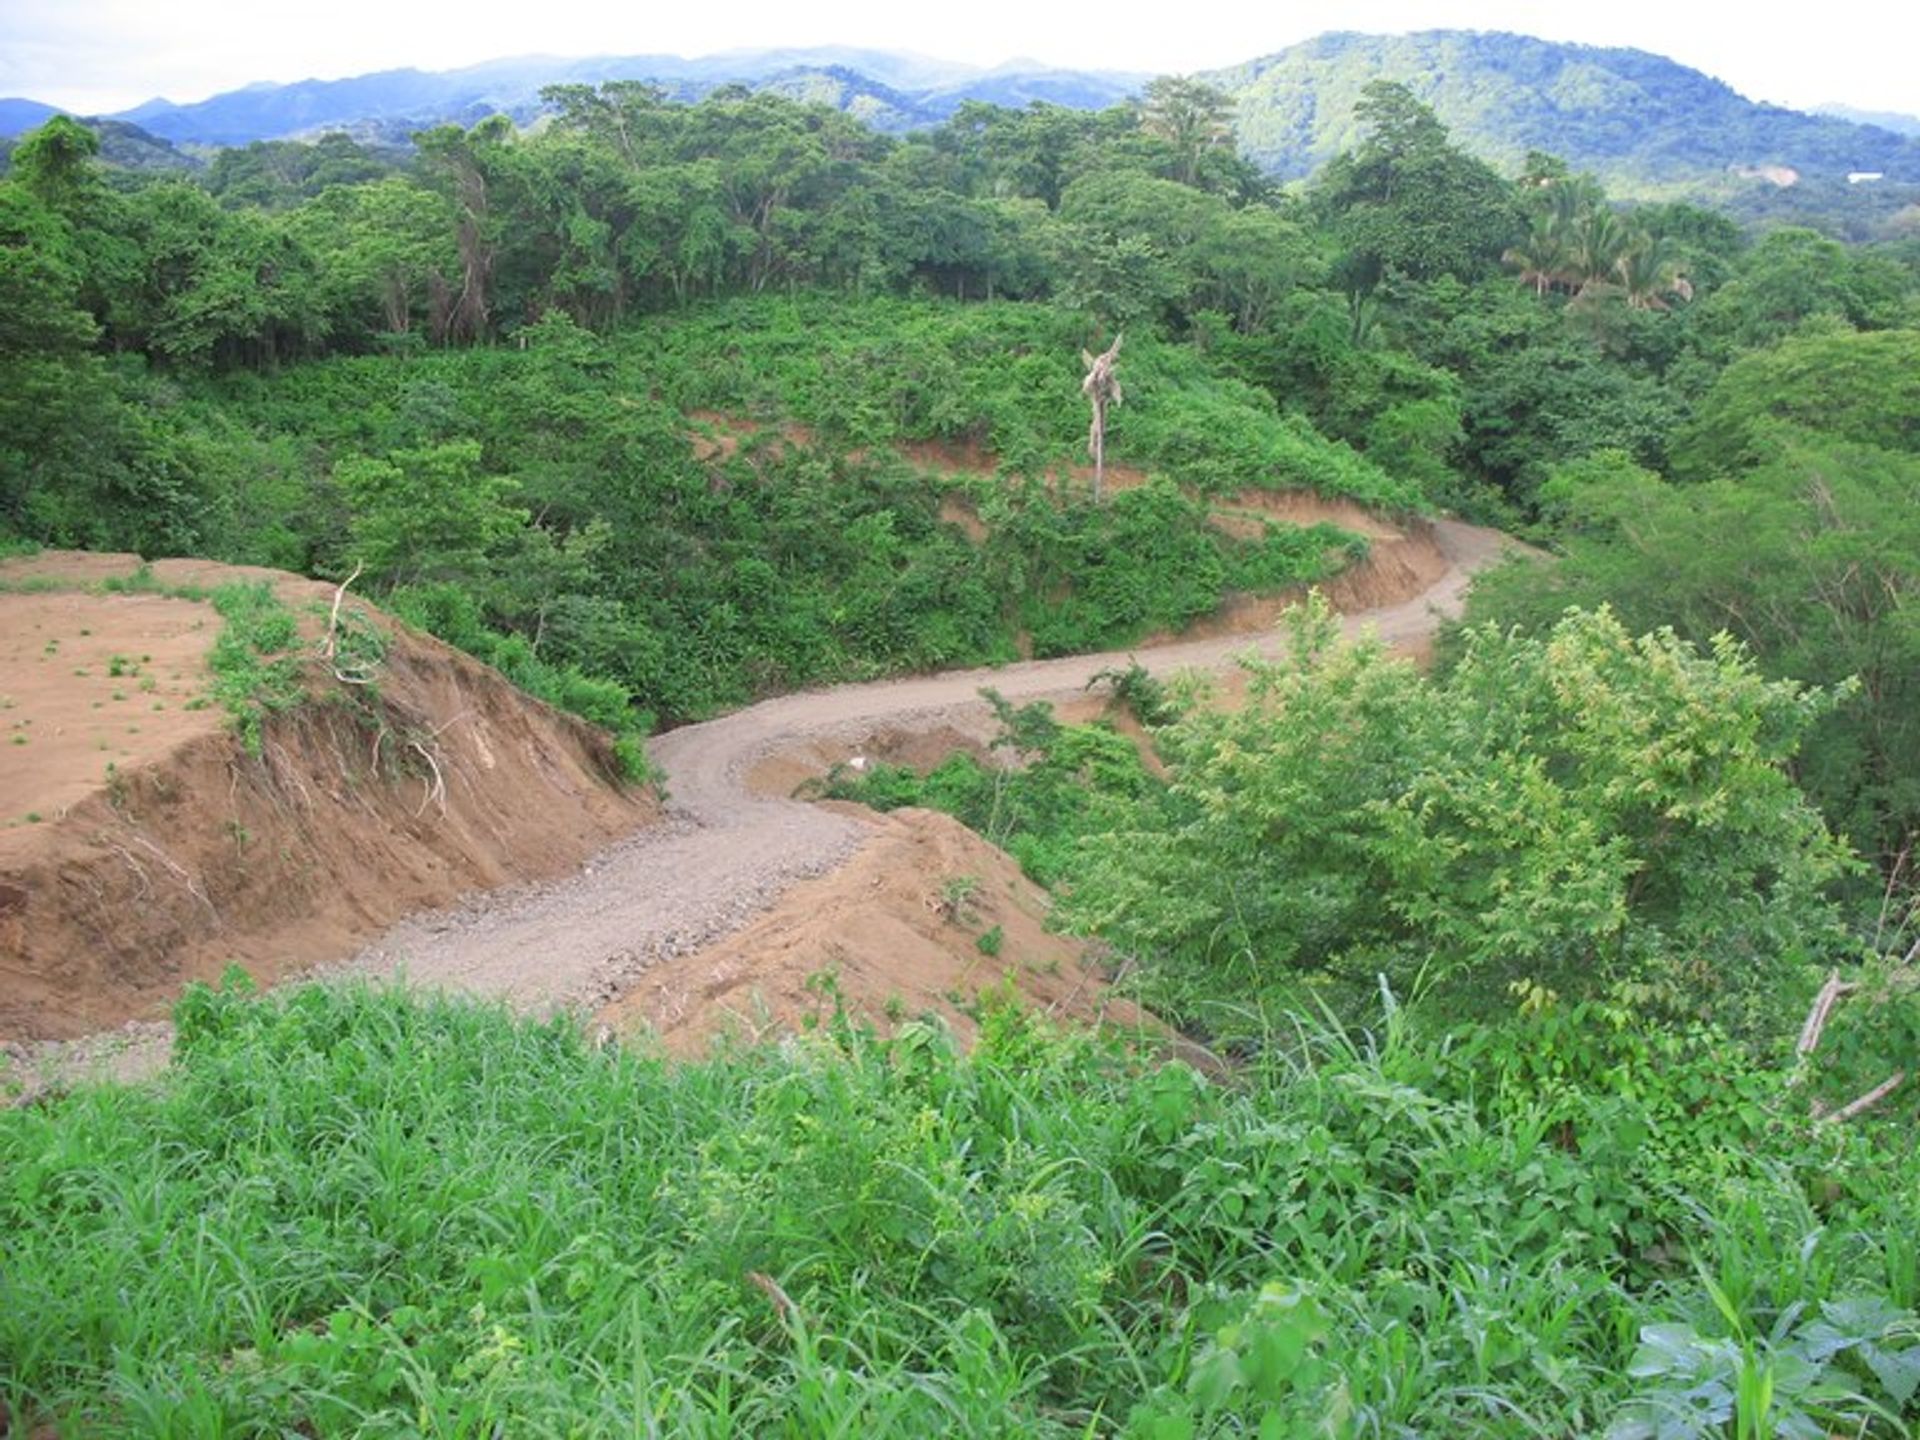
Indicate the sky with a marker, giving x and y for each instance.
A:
(97, 56)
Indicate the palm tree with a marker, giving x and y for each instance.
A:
(1541, 258)
(1651, 273)
(1596, 248)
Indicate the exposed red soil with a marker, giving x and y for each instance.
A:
(199, 853)
(194, 853)
(892, 935)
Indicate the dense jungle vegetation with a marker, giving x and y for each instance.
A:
(1504, 963)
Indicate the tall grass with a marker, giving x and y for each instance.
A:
(354, 1211)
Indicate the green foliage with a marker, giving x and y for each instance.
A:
(1644, 123)
(357, 1212)
(1408, 202)
(1863, 388)
(1578, 809)
(258, 668)
(1808, 559)
(1057, 785)
(426, 514)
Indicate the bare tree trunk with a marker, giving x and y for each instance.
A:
(1101, 389)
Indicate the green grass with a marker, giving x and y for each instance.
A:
(256, 661)
(348, 1211)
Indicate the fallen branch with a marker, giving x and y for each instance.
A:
(770, 1287)
(330, 646)
(1867, 1101)
(1823, 1004)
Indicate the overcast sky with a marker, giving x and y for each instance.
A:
(95, 56)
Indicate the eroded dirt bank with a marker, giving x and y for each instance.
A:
(146, 847)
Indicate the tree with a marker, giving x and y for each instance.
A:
(1193, 118)
(1102, 389)
(1410, 202)
(426, 514)
(56, 162)
(1811, 559)
(1859, 387)
(1578, 809)
(462, 159)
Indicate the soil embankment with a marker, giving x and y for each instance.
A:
(144, 846)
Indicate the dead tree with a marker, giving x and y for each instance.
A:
(1101, 390)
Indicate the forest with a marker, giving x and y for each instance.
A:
(663, 408)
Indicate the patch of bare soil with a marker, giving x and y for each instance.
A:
(1402, 562)
(789, 771)
(896, 933)
(364, 805)
(93, 686)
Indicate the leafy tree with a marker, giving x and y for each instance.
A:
(1578, 809)
(1795, 275)
(1193, 117)
(426, 514)
(1811, 560)
(377, 247)
(1862, 387)
(1410, 202)
(56, 162)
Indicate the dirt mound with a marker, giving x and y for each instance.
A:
(363, 805)
(782, 773)
(927, 916)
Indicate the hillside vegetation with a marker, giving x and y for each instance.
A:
(359, 1213)
(1557, 1002)
(1636, 119)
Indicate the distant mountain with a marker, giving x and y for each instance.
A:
(1885, 119)
(1640, 121)
(1645, 124)
(890, 91)
(19, 116)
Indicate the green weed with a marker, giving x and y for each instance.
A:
(256, 661)
(351, 1211)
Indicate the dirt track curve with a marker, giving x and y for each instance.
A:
(726, 853)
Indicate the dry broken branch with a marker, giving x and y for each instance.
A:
(1101, 389)
(330, 646)
(770, 1287)
(1823, 1004)
(1867, 1101)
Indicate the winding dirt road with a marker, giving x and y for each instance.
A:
(726, 853)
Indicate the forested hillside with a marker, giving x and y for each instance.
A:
(1637, 119)
(1557, 1001)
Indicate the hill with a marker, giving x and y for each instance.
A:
(1886, 119)
(19, 116)
(1643, 123)
(890, 91)
(1636, 119)
(123, 145)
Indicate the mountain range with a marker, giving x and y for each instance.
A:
(1636, 119)
(1642, 122)
(889, 90)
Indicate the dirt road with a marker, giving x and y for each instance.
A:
(726, 853)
